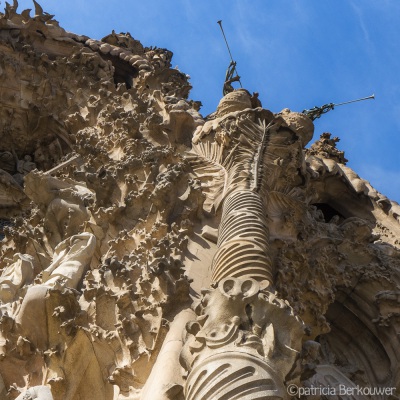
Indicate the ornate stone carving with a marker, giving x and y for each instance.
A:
(242, 327)
(240, 314)
(243, 245)
(71, 258)
(64, 204)
(36, 392)
(119, 202)
(15, 276)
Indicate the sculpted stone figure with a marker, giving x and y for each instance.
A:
(16, 275)
(11, 193)
(7, 161)
(64, 203)
(18, 168)
(24, 167)
(36, 392)
(71, 260)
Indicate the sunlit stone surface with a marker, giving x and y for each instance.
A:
(150, 253)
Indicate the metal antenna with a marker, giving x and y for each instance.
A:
(227, 45)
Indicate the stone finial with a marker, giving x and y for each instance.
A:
(300, 124)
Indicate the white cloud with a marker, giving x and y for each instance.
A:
(363, 26)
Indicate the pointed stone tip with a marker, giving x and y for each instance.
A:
(38, 8)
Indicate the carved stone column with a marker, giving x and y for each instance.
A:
(245, 340)
(243, 343)
(243, 245)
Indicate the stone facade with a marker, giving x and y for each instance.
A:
(149, 253)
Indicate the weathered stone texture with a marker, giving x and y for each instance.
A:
(150, 253)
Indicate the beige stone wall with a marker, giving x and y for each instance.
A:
(150, 253)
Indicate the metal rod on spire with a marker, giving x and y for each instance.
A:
(316, 112)
(353, 101)
(229, 50)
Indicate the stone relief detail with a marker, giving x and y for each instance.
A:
(119, 201)
(64, 204)
(15, 276)
(243, 245)
(246, 142)
(36, 392)
(239, 330)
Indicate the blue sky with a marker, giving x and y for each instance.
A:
(296, 53)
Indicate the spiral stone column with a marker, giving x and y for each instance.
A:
(243, 239)
(228, 350)
(245, 340)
